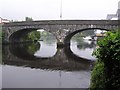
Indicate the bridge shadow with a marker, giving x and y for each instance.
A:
(64, 59)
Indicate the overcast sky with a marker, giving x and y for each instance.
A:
(50, 9)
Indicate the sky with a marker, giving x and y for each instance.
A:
(51, 9)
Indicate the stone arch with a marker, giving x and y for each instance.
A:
(16, 36)
(70, 35)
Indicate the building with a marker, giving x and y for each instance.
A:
(112, 17)
(4, 20)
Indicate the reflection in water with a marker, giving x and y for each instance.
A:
(26, 51)
(43, 65)
(30, 48)
(63, 59)
(46, 50)
(18, 77)
(25, 70)
(83, 49)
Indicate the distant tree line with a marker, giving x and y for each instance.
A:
(28, 19)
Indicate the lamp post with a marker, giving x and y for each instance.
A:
(118, 12)
(61, 9)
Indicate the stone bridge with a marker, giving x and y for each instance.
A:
(63, 30)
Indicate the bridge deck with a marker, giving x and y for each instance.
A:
(65, 22)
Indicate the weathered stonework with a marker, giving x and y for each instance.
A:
(59, 28)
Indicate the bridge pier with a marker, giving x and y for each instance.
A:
(60, 36)
(60, 44)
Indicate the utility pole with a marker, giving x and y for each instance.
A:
(61, 10)
(118, 14)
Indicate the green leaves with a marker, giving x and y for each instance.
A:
(98, 76)
(106, 73)
(34, 35)
(109, 47)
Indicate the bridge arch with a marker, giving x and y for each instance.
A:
(70, 35)
(16, 36)
(58, 27)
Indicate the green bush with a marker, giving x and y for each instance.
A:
(98, 76)
(108, 53)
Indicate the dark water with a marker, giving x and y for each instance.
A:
(43, 65)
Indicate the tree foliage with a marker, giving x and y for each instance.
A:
(32, 36)
(28, 19)
(108, 54)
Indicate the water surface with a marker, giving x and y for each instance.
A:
(43, 65)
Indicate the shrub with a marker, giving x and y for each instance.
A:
(108, 55)
(98, 76)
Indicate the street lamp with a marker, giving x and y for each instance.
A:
(61, 10)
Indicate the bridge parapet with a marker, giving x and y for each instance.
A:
(64, 22)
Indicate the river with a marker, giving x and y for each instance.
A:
(43, 65)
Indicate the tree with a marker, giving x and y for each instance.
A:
(106, 73)
(28, 19)
(32, 36)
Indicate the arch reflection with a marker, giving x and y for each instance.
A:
(63, 59)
